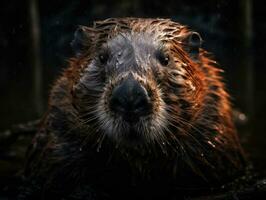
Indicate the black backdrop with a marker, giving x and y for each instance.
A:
(238, 47)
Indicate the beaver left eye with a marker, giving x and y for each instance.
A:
(162, 58)
(103, 57)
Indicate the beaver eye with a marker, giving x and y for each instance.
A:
(103, 57)
(162, 57)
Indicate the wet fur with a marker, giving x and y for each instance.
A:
(188, 143)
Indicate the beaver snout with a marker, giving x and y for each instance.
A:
(130, 100)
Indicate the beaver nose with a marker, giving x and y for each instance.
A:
(130, 100)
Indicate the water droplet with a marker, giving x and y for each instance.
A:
(117, 64)
(210, 143)
(242, 117)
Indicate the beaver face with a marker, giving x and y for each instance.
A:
(131, 105)
(131, 89)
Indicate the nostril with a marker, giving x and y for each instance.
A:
(141, 105)
(116, 104)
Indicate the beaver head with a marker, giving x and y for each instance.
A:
(139, 85)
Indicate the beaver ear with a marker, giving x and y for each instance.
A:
(83, 37)
(193, 43)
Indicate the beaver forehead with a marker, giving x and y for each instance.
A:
(132, 48)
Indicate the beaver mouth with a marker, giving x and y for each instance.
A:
(132, 136)
(129, 129)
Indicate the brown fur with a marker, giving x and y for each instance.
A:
(189, 133)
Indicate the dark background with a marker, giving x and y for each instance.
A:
(232, 30)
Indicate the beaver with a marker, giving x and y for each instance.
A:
(141, 112)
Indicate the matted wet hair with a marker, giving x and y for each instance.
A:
(188, 127)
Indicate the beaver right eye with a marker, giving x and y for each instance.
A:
(103, 57)
(162, 58)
